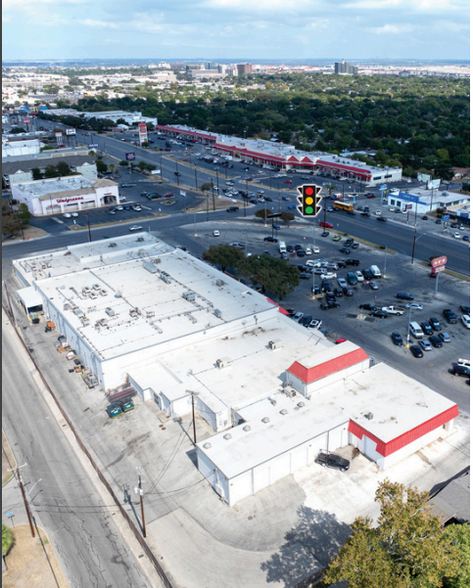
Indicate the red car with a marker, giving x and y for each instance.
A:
(341, 340)
(327, 225)
(184, 159)
(288, 181)
(370, 195)
(168, 195)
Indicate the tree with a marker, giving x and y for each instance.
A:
(63, 169)
(50, 171)
(37, 175)
(262, 213)
(207, 186)
(24, 214)
(407, 548)
(101, 166)
(459, 537)
(7, 539)
(287, 217)
(224, 256)
(123, 163)
(275, 275)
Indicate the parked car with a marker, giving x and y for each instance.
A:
(329, 275)
(374, 285)
(465, 309)
(232, 209)
(425, 345)
(271, 239)
(359, 276)
(331, 460)
(297, 317)
(444, 337)
(337, 238)
(427, 328)
(316, 290)
(461, 370)
(367, 273)
(305, 320)
(416, 351)
(315, 249)
(466, 320)
(325, 233)
(435, 324)
(328, 305)
(66, 215)
(379, 314)
(355, 245)
(383, 219)
(436, 341)
(396, 338)
(451, 317)
(348, 291)
(338, 292)
(342, 282)
(351, 261)
(404, 296)
(368, 307)
(414, 306)
(135, 228)
(345, 250)
(326, 225)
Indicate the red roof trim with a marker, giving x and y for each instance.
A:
(357, 170)
(281, 309)
(327, 368)
(389, 447)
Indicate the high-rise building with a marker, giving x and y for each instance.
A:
(244, 68)
(345, 68)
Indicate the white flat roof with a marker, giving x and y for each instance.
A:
(398, 404)
(39, 188)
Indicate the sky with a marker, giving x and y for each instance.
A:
(239, 29)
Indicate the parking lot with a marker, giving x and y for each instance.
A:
(349, 321)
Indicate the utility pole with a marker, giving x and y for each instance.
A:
(177, 174)
(17, 469)
(195, 169)
(88, 226)
(140, 491)
(193, 418)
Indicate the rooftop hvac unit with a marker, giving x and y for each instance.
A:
(103, 292)
(189, 296)
(110, 311)
(301, 404)
(227, 436)
(151, 268)
(290, 392)
(85, 321)
(133, 312)
(112, 244)
(220, 283)
(276, 344)
(142, 253)
(140, 239)
(283, 411)
(223, 362)
(218, 313)
(247, 428)
(265, 420)
(96, 286)
(369, 416)
(207, 445)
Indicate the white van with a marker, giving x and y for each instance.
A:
(415, 330)
(282, 247)
(375, 271)
(216, 233)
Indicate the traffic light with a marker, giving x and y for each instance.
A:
(309, 199)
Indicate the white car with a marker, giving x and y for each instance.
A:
(66, 215)
(359, 276)
(457, 235)
(378, 212)
(332, 266)
(74, 214)
(135, 228)
(137, 208)
(328, 276)
(315, 249)
(312, 263)
(466, 320)
(308, 250)
(118, 207)
(414, 306)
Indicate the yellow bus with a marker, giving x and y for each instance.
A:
(342, 205)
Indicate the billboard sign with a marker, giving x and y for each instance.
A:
(383, 187)
(433, 184)
(26, 121)
(423, 177)
(70, 131)
(142, 133)
(93, 145)
(439, 261)
(183, 193)
(408, 207)
(130, 156)
(445, 218)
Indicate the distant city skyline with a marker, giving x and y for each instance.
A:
(222, 29)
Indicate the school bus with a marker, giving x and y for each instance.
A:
(342, 205)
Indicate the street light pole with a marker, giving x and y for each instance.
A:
(415, 234)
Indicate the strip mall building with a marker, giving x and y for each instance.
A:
(285, 157)
(140, 312)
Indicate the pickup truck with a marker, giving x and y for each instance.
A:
(393, 310)
(463, 362)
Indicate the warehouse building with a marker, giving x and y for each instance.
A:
(282, 157)
(65, 194)
(140, 312)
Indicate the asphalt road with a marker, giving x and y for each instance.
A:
(86, 541)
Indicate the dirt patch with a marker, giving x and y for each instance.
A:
(8, 460)
(27, 564)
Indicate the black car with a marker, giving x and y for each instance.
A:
(268, 199)
(304, 276)
(300, 253)
(367, 214)
(351, 212)
(347, 291)
(404, 296)
(397, 339)
(367, 274)
(338, 292)
(427, 328)
(290, 248)
(345, 250)
(316, 290)
(325, 286)
(451, 317)
(383, 219)
(343, 263)
(436, 341)
(327, 305)
(435, 324)
(302, 268)
(271, 239)
(290, 312)
(416, 351)
(465, 309)
(232, 209)
(461, 370)
(298, 247)
(330, 460)
(349, 242)
(305, 320)
(351, 261)
(368, 307)
(355, 245)
(330, 296)
(379, 314)
(325, 234)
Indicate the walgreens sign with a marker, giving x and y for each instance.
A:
(70, 199)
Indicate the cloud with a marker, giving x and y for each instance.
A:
(101, 24)
(260, 5)
(428, 6)
(392, 29)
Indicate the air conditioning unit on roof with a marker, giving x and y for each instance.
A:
(223, 362)
(276, 344)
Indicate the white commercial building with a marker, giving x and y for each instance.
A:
(130, 118)
(285, 157)
(14, 148)
(65, 194)
(142, 313)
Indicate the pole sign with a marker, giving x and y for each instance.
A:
(26, 121)
(439, 261)
(93, 145)
(383, 187)
(423, 177)
(433, 184)
(445, 218)
(183, 193)
(70, 131)
(309, 198)
(130, 156)
(142, 133)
